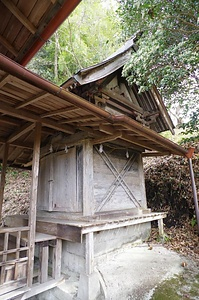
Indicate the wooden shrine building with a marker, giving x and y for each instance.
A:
(84, 142)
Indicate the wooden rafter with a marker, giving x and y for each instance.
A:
(9, 121)
(33, 99)
(8, 46)
(17, 144)
(4, 80)
(121, 99)
(20, 131)
(26, 115)
(77, 119)
(19, 15)
(59, 111)
(107, 138)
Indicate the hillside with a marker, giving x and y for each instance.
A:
(17, 192)
(168, 188)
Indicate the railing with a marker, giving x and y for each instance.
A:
(13, 258)
(48, 252)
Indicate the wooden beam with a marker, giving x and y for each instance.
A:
(4, 80)
(121, 99)
(19, 132)
(33, 202)
(108, 138)
(135, 141)
(19, 15)
(123, 223)
(29, 116)
(77, 119)
(32, 99)
(8, 46)
(9, 121)
(59, 111)
(91, 124)
(3, 176)
(155, 153)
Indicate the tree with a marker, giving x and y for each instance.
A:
(167, 37)
(87, 37)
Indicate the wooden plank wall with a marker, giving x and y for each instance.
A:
(104, 178)
(58, 182)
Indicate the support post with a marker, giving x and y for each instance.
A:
(44, 255)
(87, 178)
(89, 256)
(33, 202)
(3, 176)
(57, 250)
(194, 190)
(161, 227)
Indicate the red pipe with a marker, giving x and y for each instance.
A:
(18, 71)
(58, 19)
(193, 184)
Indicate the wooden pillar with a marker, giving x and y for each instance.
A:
(161, 227)
(143, 203)
(89, 256)
(57, 250)
(33, 201)
(44, 255)
(88, 197)
(3, 176)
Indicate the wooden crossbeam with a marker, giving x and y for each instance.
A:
(19, 132)
(107, 138)
(29, 116)
(19, 15)
(8, 46)
(4, 80)
(121, 99)
(32, 99)
(59, 111)
(77, 119)
(10, 121)
(17, 144)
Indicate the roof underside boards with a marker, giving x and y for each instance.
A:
(25, 99)
(25, 25)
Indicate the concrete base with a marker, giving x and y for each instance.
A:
(131, 274)
(89, 287)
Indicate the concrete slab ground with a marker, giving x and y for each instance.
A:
(134, 273)
(131, 274)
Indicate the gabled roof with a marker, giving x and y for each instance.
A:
(26, 98)
(97, 77)
(25, 25)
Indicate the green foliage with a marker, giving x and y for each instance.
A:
(167, 55)
(88, 36)
(193, 221)
(164, 238)
(191, 128)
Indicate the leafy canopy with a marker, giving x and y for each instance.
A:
(89, 35)
(167, 55)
